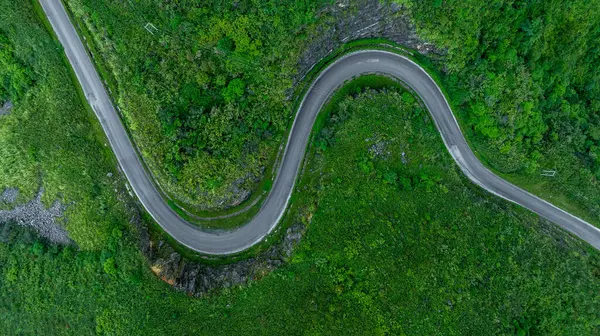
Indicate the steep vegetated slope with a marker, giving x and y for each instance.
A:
(398, 241)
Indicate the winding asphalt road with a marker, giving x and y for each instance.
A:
(273, 208)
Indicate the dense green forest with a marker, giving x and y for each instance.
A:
(205, 94)
(525, 78)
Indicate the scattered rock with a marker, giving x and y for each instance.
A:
(379, 149)
(34, 215)
(6, 108)
(9, 195)
(404, 159)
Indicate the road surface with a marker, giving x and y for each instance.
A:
(348, 66)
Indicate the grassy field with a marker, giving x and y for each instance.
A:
(50, 141)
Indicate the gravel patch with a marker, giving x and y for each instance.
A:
(34, 215)
(6, 108)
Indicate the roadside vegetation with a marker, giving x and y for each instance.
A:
(16, 78)
(398, 243)
(204, 95)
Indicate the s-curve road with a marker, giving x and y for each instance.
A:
(273, 208)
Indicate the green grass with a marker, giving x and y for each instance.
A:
(99, 132)
(498, 64)
(143, 132)
(241, 214)
(571, 192)
(568, 190)
(246, 208)
(237, 215)
(537, 185)
(545, 187)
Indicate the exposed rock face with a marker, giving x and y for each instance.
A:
(197, 278)
(9, 195)
(351, 20)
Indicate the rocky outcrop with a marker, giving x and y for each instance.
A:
(9, 195)
(198, 278)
